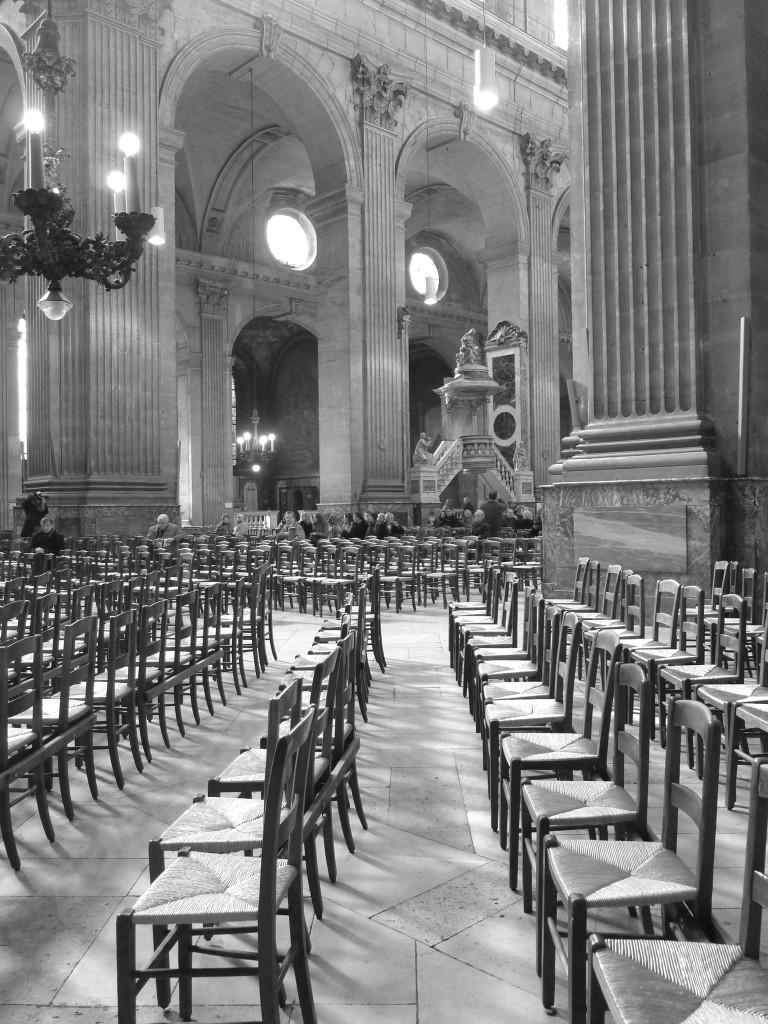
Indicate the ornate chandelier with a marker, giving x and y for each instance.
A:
(50, 248)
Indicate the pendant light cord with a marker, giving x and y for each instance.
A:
(426, 106)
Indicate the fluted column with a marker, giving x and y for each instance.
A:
(636, 237)
(10, 461)
(385, 364)
(337, 217)
(102, 386)
(541, 168)
(216, 430)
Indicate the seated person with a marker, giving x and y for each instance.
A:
(46, 540)
(305, 523)
(320, 530)
(164, 534)
(242, 529)
(223, 527)
(370, 522)
(346, 526)
(480, 526)
(388, 526)
(447, 515)
(290, 531)
(359, 527)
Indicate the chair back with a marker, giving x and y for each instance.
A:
(748, 592)
(755, 893)
(285, 706)
(284, 801)
(698, 802)
(509, 611)
(566, 660)
(721, 582)
(609, 605)
(634, 610)
(13, 621)
(548, 660)
(730, 646)
(580, 581)
(633, 691)
(691, 622)
(593, 585)
(666, 612)
(78, 665)
(121, 652)
(20, 659)
(599, 699)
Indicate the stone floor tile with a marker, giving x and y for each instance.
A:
(449, 908)
(449, 990)
(502, 945)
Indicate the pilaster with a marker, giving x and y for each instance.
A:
(216, 444)
(542, 165)
(10, 460)
(101, 381)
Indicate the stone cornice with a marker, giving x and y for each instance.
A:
(472, 25)
(233, 270)
(141, 15)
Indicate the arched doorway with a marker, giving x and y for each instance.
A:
(275, 392)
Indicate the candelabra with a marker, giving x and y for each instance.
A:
(50, 249)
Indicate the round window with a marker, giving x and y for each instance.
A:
(426, 263)
(291, 239)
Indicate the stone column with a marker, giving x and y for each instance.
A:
(101, 383)
(542, 166)
(189, 372)
(385, 364)
(337, 218)
(215, 381)
(10, 460)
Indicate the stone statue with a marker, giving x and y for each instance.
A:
(471, 350)
(422, 456)
(520, 458)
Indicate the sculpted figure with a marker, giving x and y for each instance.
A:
(471, 349)
(422, 456)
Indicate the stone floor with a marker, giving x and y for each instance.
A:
(420, 928)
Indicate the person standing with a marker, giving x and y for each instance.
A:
(494, 512)
(34, 507)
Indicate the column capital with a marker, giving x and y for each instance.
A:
(212, 296)
(504, 254)
(542, 163)
(381, 97)
(333, 205)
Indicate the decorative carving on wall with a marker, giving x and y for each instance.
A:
(403, 321)
(542, 163)
(271, 30)
(214, 225)
(467, 117)
(213, 297)
(142, 15)
(506, 333)
(380, 95)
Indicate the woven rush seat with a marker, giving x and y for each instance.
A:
(514, 688)
(213, 887)
(525, 711)
(250, 765)
(566, 803)
(19, 738)
(718, 696)
(694, 673)
(217, 825)
(665, 981)
(51, 710)
(101, 690)
(542, 746)
(609, 872)
(507, 666)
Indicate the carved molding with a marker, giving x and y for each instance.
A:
(542, 163)
(213, 297)
(506, 333)
(467, 117)
(271, 31)
(142, 15)
(381, 97)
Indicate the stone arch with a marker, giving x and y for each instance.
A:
(495, 190)
(562, 207)
(13, 47)
(314, 109)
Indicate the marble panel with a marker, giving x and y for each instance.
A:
(648, 539)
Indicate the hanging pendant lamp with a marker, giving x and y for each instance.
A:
(430, 291)
(486, 94)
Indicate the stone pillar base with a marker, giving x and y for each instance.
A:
(98, 520)
(674, 527)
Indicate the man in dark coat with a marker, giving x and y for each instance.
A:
(494, 512)
(35, 507)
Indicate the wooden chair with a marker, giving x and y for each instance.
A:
(563, 749)
(592, 875)
(22, 758)
(214, 895)
(550, 805)
(647, 982)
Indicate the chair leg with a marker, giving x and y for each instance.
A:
(126, 965)
(733, 730)
(112, 738)
(6, 829)
(185, 967)
(90, 765)
(298, 934)
(577, 960)
(313, 874)
(41, 796)
(330, 851)
(549, 920)
(177, 696)
(342, 805)
(62, 763)
(133, 737)
(354, 789)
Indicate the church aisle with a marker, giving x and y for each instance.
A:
(420, 928)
